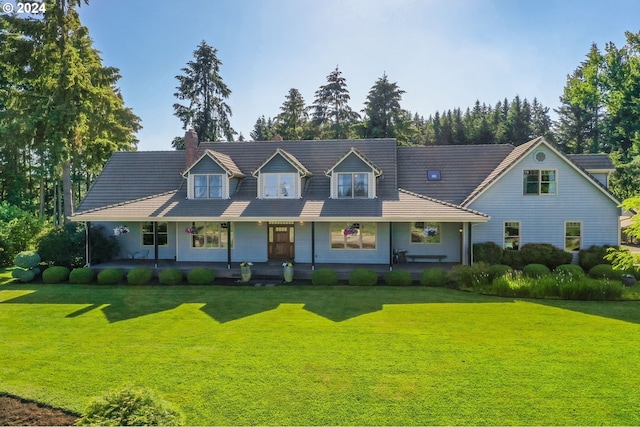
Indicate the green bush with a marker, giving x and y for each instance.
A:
(398, 278)
(474, 276)
(201, 276)
(544, 253)
(363, 277)
(592, 256)
(605, 271)
(435, 276)
(498, 270)
(536, 270)
(139, 276)
(570, 269)
(66, 246)
(110, 276)
(324, 277)
(27, 259)
(513, 259)
(55, 274)
(19, 231)
(23, 275)
(129, 407)
(488, 252)
(171, 277)
(590, 289)
(82, 275)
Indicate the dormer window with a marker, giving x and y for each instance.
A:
(353, 185)
(279, 185)
(212, 176)
(208, 186)
(353, 177)
(281, 176)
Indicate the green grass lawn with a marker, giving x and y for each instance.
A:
(301, 355)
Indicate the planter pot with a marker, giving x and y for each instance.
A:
(287, 273)
(628, 280)
(245, 272)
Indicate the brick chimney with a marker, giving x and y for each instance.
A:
(191, 148)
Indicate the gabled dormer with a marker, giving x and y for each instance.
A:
(213, 176)
(281, 176)
(353, 177)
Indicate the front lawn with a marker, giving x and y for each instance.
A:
(303, 355)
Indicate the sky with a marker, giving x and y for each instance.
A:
(444, 54)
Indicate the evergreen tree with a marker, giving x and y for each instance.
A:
(202, 87)
(263, 130)
(293, 117)
(382, 108)
(331, 111)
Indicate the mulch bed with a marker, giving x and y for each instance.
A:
(19, 412)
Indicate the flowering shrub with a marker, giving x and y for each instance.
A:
(190, 230)
(121, 229)
(245, 264)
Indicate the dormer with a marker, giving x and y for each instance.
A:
(213, 176)
(281, 176)
(353, 177)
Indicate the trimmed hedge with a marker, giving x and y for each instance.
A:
(435, 276)
(573, 270)
(363, 277)
(201, 276)
(82, 276)
(605, 271)
(27, 259)
(536, 270)
(470, 276)
(488, 252)
(398, 278)
(110, 276)
(324, 277)
(140, 276)
(55, 274)
(23, 275)
(498, 270)
(592, 256)
(171, 277)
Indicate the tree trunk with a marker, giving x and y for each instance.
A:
(67, 191)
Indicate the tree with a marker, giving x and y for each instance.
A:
(331, 111)
(293, 117)
(263, 130)
(202, 87)
(623, 258)
(382, 108)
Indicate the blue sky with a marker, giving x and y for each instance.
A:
(444, 53)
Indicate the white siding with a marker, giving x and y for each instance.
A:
(131, 243)
(324, 253)
(449, 241)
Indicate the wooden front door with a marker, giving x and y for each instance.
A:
(281, 241)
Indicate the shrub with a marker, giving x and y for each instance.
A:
(27, 259)
(474, 276)
(128, 407)
(536, 270)
(23, 275)
(513, 259)
(398, 278)
(172, 276)
(594, 255)
(544, 253)
(363, 277)
(488, 252)
(573, 270)
(605, 271)
(498, 270)
(324, 277)
(590, 289)
(201, 276)
(110, 276)
(82, 275)
(66, 246)
(19, 230)
(55, 274)
(435, 276)
(139, 276)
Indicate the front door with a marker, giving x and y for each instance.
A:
(281, 241)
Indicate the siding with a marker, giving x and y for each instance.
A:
(131, 242)
(278, 164)
(449, 242)
(207, 166)
(352, 163)
(324, 253)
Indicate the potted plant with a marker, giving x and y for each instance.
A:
(245, 271)
(287, 271)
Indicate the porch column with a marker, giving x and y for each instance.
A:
(229, 245)
(155, 243)
(390, 246)
(87, 244)
(470, 237)
(313, 245)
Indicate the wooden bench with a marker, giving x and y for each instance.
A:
(413, 258)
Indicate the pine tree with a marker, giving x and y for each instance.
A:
(293, 117)
(382, 108)
(331, 111)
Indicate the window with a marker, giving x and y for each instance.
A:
(148, 234)
(572, 236)
(278, 185)
(425, 232)
(539, 182)
(207, 186)
(210, 235)
(434, 175)
(353, 185)
(512, 235)
(353, 235)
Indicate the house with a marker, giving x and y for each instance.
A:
(350, 201)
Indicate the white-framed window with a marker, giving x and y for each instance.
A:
(426, 233)
(511, 235)
(148, 234)
(354, 236)
(210, 235)
(278, 185)
(353, 185)
(539, 182)
(208, 186)
(572, 236)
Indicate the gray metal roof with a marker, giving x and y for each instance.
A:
(593, 162)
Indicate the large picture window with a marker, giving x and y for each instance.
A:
(148, 234)
(278, 185)
(353, 185)
(425, 232)
(353, 235)
(210, 235)
(539, 182)
(512, 235)
(572, 236)
(207, 186)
